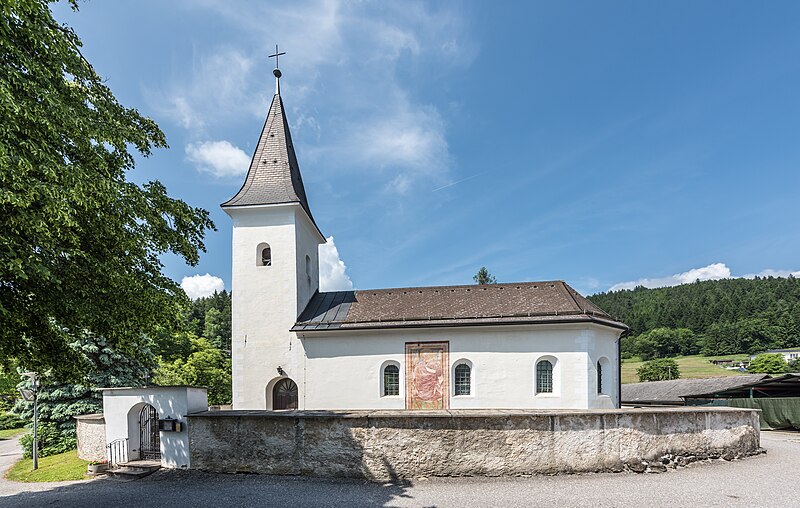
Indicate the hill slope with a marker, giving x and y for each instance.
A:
(726, 316)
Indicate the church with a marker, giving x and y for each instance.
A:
(532, 345)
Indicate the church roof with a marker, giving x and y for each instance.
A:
(274, 175)
(424, 307)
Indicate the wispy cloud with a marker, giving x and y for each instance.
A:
(348, 76)
(218, 85)
(198, 286)
(714, 271)
(219, 158)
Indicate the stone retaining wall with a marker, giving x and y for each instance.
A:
(398, 444)
(91, 430)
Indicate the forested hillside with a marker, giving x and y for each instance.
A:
(710, 317)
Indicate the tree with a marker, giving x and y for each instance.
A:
(484, 277)
(794, 365)
(60, 400)
(660, 369)
(768, 363)
(80, 245)
(663, 343)
(206, 366)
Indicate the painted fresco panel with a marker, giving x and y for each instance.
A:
(427, 373)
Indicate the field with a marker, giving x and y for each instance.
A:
(9, 433)
(690, 366)
(55, 468)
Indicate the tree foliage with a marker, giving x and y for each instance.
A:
(60, 400)
(79, 243)
(661, 343)
(768, 363)
(727, 316)
(206, 366)
(660, 369)
(484, 277)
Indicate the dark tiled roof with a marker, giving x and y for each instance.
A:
(274, 175)
(671, 392)
(488, 304)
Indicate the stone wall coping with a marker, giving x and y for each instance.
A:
(93, 416)
(460, 413)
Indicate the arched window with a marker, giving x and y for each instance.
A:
(264, 255)
(391, 380)
(463, 379)
(284, 394)
(544, 377)
(599, 377)
(604, 376)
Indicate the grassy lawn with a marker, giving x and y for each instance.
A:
(9, 433)
(56, 468)
(691, 367)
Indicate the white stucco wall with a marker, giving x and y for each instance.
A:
(266, 300)
(121, 407)
(343, 369)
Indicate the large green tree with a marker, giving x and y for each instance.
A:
(206, 366)
(660, 369)
(768, 363)
(80, 245)
(61, 399)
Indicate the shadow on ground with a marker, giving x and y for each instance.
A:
(195, 488)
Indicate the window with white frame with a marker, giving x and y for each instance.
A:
(544, 376)
(391, 380)
(463, 379)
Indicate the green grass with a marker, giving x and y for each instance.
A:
(691, 367)
(55, 468)
(9, 433)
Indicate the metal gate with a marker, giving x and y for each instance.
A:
(149, 439)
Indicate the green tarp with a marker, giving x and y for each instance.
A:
(776, 413)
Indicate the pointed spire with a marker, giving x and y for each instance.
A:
(274, 175)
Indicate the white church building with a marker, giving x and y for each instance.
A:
(494, 346)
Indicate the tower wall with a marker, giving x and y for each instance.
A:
(266, 300)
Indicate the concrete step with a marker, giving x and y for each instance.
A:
(134, 470)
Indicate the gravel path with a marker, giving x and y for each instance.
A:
(765, 480)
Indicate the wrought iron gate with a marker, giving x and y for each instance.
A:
(149, 439)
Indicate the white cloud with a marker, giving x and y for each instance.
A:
(219, 158)
(198, 286)
(714, 271)
(348, 78)
(332, 270)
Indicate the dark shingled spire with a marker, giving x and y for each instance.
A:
(274, 176)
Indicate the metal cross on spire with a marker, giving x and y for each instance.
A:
(277, 71)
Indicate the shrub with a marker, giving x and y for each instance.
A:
(660, 369)
(51, 441)
(11, 421)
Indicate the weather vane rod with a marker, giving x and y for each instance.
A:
(277, 71)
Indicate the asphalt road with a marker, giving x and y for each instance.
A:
(769, 480)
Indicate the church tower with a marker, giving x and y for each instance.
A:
(275, 270)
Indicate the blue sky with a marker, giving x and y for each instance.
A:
(600, 143)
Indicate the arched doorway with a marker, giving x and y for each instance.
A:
(284, 394)
(149, 438)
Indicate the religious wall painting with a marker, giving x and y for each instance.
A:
(427, 375)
